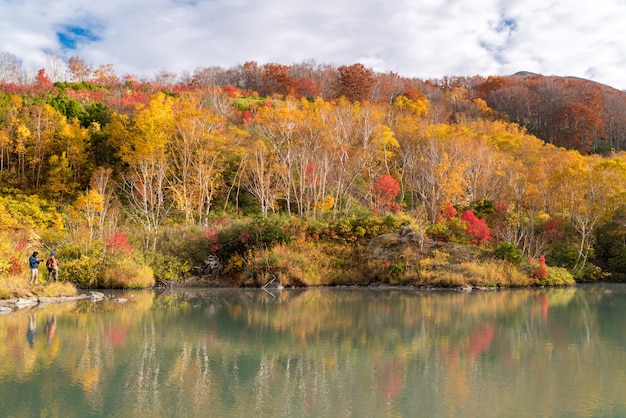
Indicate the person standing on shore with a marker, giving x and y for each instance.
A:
(53, 267)
(33, 262)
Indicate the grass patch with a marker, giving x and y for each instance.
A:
(493, 273)
(58, 289)
(14, 287)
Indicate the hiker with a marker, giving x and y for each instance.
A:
(53, 267)
(33, 261)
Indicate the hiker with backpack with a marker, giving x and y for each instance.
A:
(53, 267)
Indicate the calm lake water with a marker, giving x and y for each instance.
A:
(320, 353)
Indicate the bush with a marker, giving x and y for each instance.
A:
(292, 266)
(5, 293)
(557, 276)
(127, 274)
(590, 273)
(356, 229)
(476, 229)
(507, 251)
(86, 271)
(260, 232)
(167, 266)
(563, 253)
(189, 245)
(452, 230)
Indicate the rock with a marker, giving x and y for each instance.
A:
(96, 296)
(389, 246)
(5, 310)
(25, 302)
(120, 300)
(46, 300)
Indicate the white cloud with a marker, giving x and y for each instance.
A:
(420, 38)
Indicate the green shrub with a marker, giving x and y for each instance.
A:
(237, 240)
(617, 262)
(557, 276)
(86, 271)
(167, 266)
(452, 230)
(563, 253)
(358, 229)
(189, 245)
(590, 273)
(507, 251)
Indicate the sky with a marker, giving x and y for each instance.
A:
(425, 39)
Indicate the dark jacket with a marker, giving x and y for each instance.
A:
(34, 262)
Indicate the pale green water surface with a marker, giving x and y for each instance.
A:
(320, 353)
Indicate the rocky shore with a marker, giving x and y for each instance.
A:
(10, 305)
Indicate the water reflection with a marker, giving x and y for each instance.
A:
(320, 353)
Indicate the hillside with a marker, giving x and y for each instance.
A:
(133, 181)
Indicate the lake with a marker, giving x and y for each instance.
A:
(346, 352)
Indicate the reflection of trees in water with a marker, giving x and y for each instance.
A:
(144, 387)
(329, 352)
(88, 371)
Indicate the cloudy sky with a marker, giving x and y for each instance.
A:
(415, 38)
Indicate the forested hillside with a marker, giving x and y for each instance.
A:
(255, 172)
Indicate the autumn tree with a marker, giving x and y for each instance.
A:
(259, 176)
(276, 80)
(277, 125)
(105, 75)
(475, 228)
(385, 192)
(614, 116)
(79, 69)
(143, 147)
(89, 207)
(103, 183)
(387, 87)
(439, 171)
(199, 151)
(44, 124)
(356, 82)
(13, 135)
(576, 126)
(165, 78)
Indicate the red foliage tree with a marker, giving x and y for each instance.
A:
(305, 87)
(576, 126)
(42, 82)
(230, 91)
(276, 80)
(448, 211)
(356, 82)
(385, 192)
(118, 243)
(542, 270)
(476, 228)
